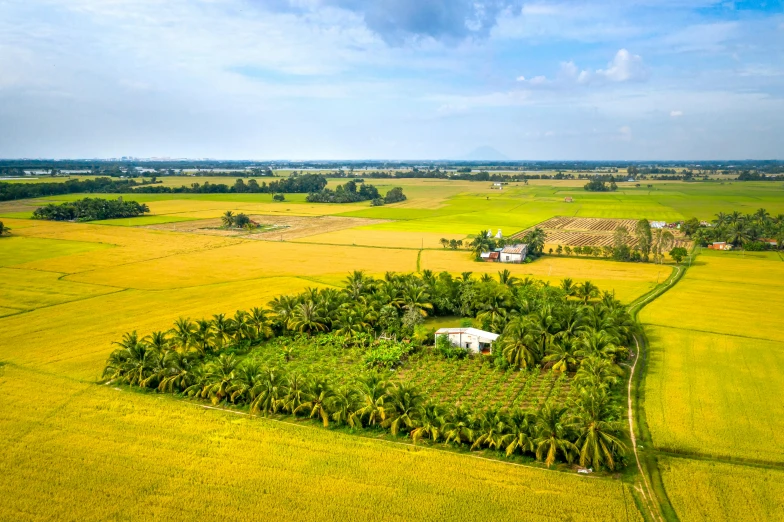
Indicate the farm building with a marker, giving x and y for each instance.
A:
(514, 253)
(490, 257)
(720, 245)
(568, 199)
(472, 339)
(658, 224)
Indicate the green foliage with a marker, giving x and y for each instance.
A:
(678, 253)
(448, 350)
(91, 209)
(598, 185)
(279, 197)
(394, 195)
(387, 354)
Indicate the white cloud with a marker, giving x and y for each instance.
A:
(624, 67)
(520, 78)
(676, 114)
(625, 133)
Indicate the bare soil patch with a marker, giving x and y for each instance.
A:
(275, 228)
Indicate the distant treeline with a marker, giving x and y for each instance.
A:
(295, 184)
(9, 191)
(91, 209)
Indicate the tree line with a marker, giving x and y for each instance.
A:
(353, 191)
(91, 209)
(572, 328)
(741, 230)
(11, 191)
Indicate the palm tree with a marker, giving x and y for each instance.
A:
(228, 218)
(482, 243)
(202, 335)
(491, 427)
(179, 373)
(245, 378)
(432, 418)
(519, 342)
(459, 426)
(505, 277)
(343, 404)
(222, 328)
(598, 372)
(416, 298)
(296, 393)
(552, 435)
(561, 354)
(268, 391)
(308, 318)
(157, 341)
(738, 233)
(597, 343)
(284, 306)
(219, 378)
(494, 309)
(241, 327)
(587, 291)
(132, 362)
(317, 398)
(371, 405)
(535, 240)
(568, 286)
(260, 322)
(404, 402)
(182, 333)
(521, 426)
(599, 429)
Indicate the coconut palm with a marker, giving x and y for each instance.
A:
(568, 286)
(459, 426)
(317, 397)
(371, 408)
(403, 412)
(283, 306)
(491, 426)
(600, 430)
(219, 377)
(417, 299)
(245, 378)
(561, 355)
(598, 372)
(182, 333)
(482, 243)
(308, 318)
(343, 404)
(535, 240)
(179, 373)
(506, 278)
(587, 291)
(228, 218)
(432, 419)
(222, 328)
(132, 362)
(269, 390)
(259, 321)
(296, 392)
(519, 343)
(553, 436)
(201, 336)
(518, 437)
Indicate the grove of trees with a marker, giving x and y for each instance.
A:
(91, 209)
(572, 329)
(741, 230)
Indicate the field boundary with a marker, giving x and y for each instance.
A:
(648, 465)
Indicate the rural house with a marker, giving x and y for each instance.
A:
(472, 339)
(514, 253)
(720, 245)
(568, 199)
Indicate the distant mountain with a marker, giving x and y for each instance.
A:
(485, 153)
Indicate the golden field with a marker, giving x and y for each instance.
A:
(78, 450)
(702, 490)
(94, 453)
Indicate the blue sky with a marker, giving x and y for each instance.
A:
(393, 79)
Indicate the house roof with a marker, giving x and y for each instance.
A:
(468, 331)
(515, 249)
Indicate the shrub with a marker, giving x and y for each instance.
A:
(279, 197)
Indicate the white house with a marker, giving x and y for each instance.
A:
(472, 339)
(514, 253)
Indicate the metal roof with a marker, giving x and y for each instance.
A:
(515, 249)
(468, 331)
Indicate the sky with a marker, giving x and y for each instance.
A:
(392, 79)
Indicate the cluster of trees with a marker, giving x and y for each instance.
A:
(454, 244)
(11, 191)
(741, 230)
(4, 229)
(571, 328)
(90, 209)
(753, 175)
(485, 242)
(241, 220)
(600, 185)
(353, 191)
(298, 184)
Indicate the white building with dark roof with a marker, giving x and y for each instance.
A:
(471, 339)
(514, 253)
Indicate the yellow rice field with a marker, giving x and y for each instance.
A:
(701, 491)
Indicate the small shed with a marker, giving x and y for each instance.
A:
(568, 199)
(720, 245)
(514, 253)
(472, 339)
